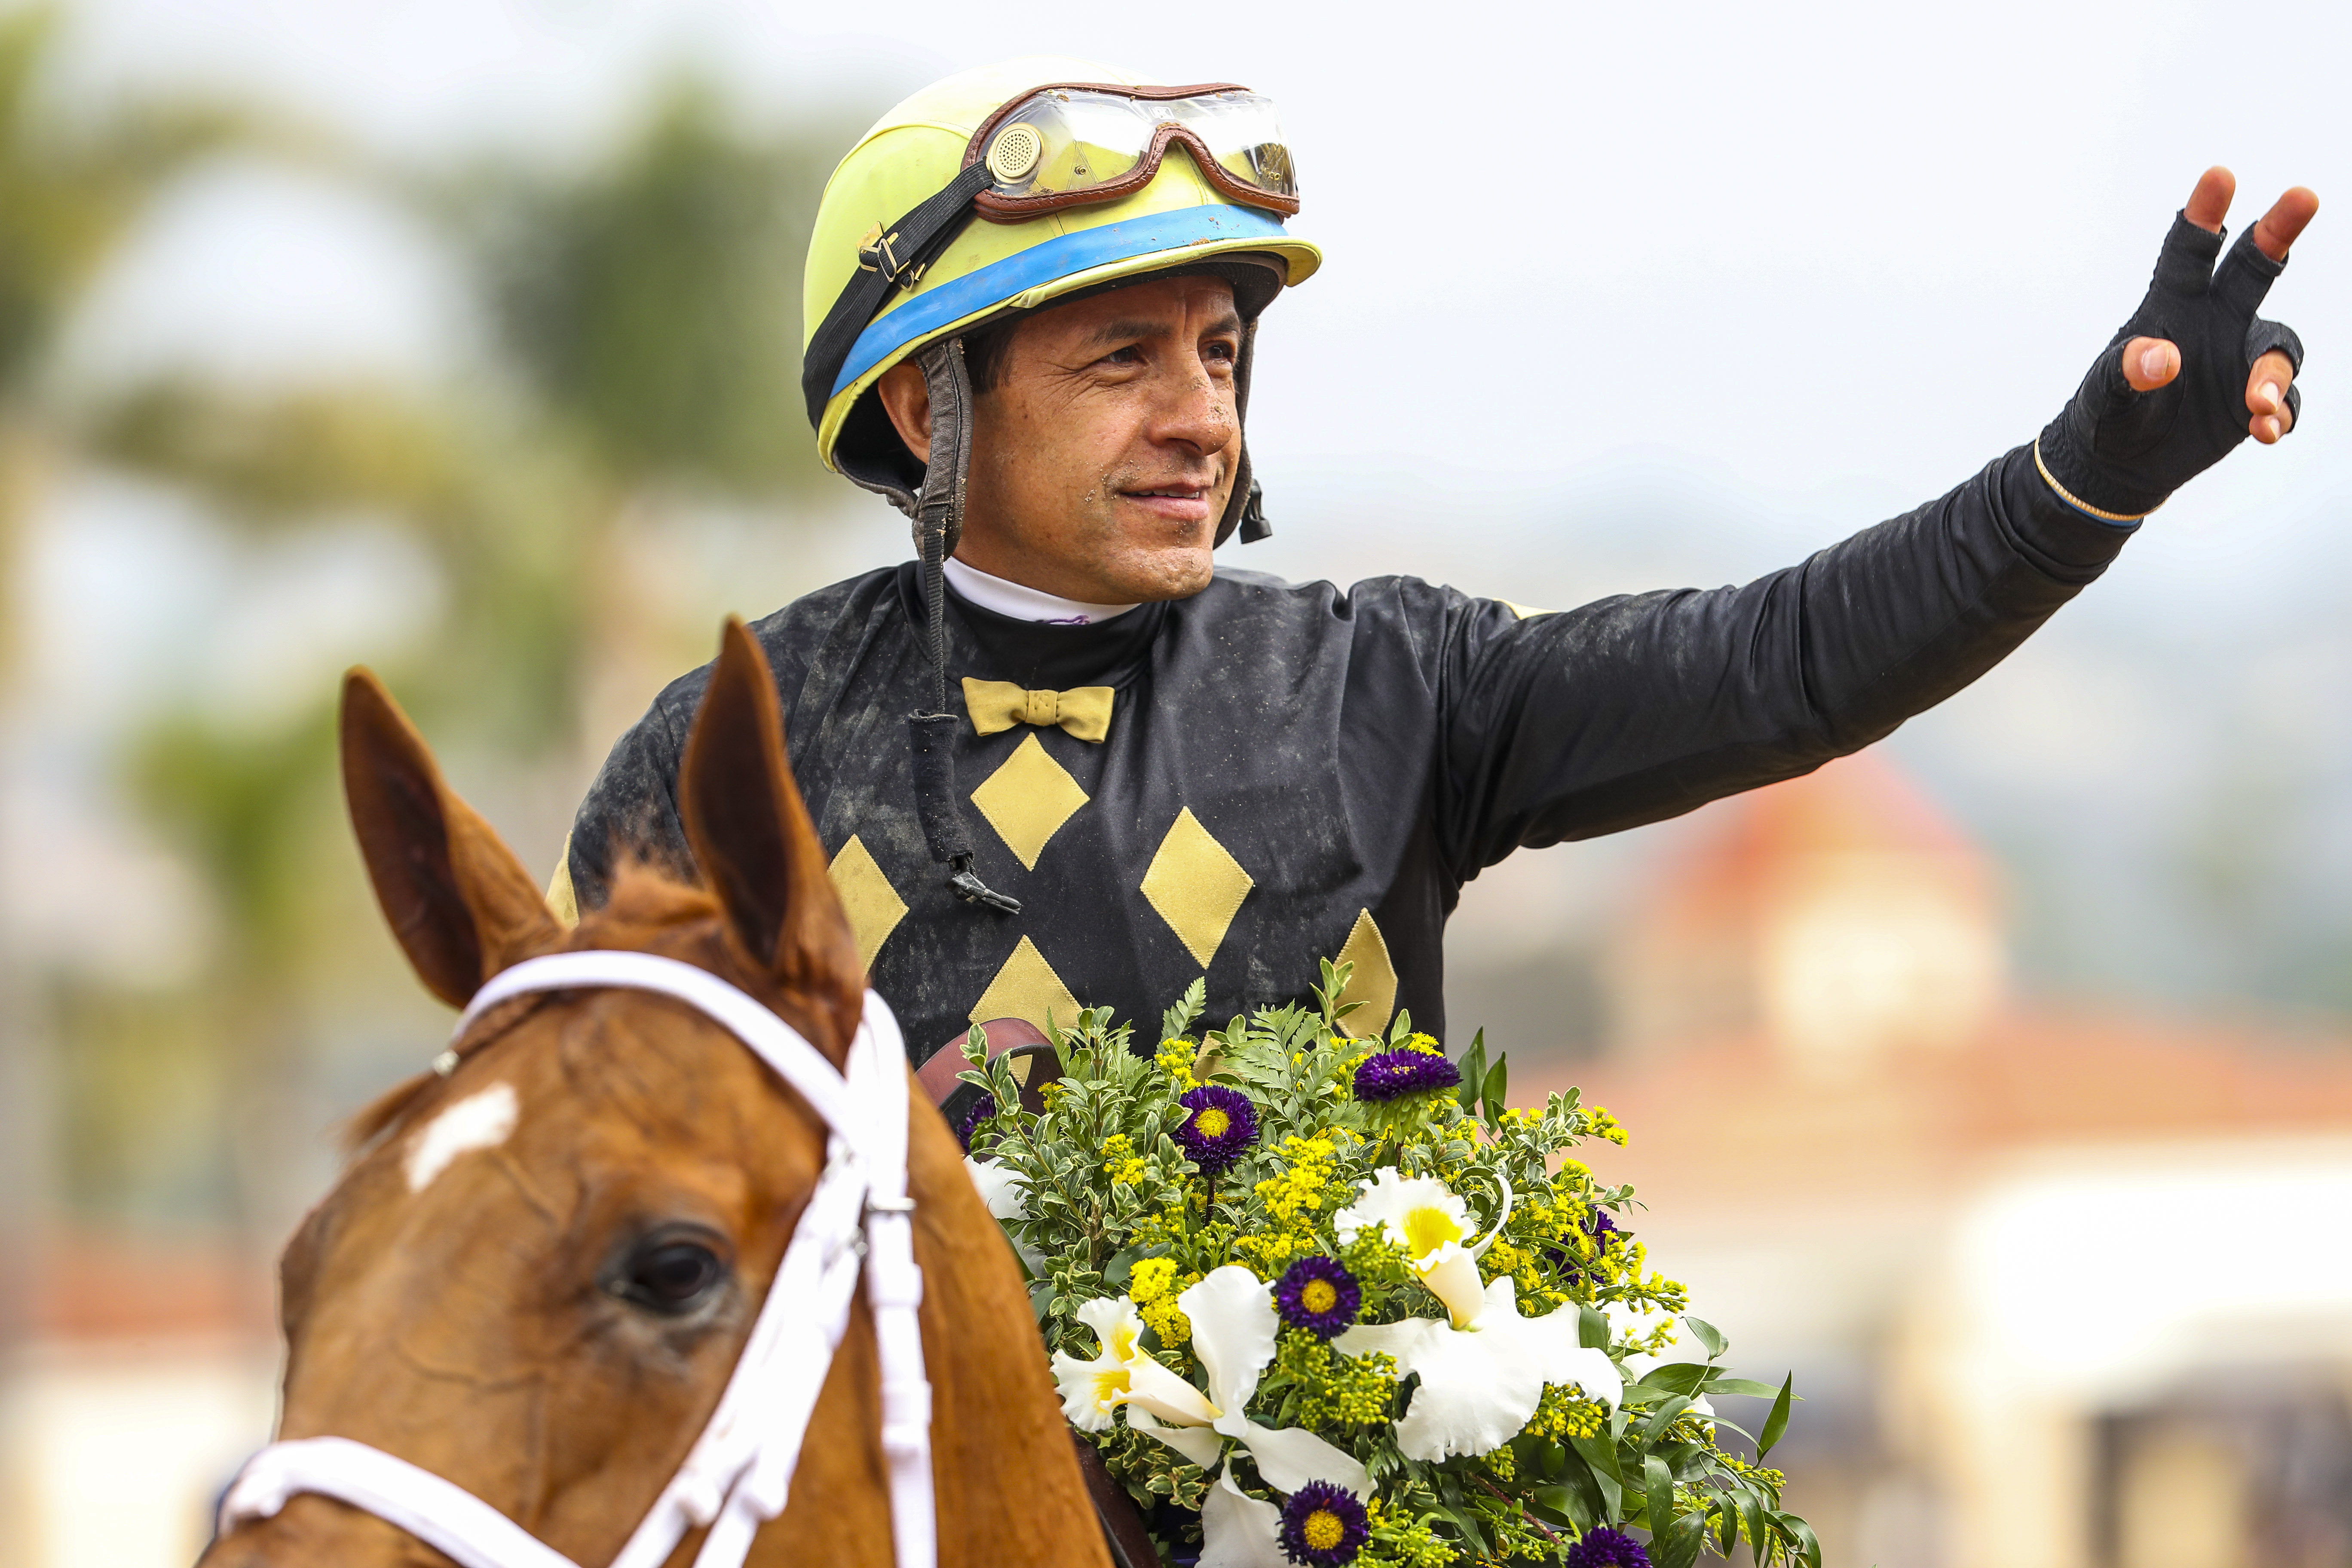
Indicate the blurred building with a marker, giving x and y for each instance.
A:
(2063, 1289)
(148, 1371)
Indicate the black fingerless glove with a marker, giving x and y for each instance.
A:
(2121, 451)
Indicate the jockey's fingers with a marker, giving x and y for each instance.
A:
(2266, 398)
(2150, 363)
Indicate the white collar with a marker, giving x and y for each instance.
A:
(1022, 603)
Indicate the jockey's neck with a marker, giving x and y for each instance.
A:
(1023, 603)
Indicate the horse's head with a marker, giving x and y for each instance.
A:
(537, 1275)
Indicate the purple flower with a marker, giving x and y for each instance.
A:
(1324, 1526)
(1392, 1075)
(1599, 1227)
(979, 1110)
(1606, 1548)
(1317, 1295)
(1221, 1125)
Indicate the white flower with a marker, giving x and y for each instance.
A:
(1000, 1188)
(1233, 1327)
(1006, 1194)
(1426, 1218)
(1480, 1382)
(1238, 1530)
(1091, 1390)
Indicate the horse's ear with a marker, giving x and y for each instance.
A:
(753, 840)
(460, 903)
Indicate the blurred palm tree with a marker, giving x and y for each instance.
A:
(644, 317)
(66, 196)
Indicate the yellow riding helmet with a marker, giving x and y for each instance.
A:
(1178, 218)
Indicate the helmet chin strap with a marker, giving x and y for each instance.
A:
(938, 514)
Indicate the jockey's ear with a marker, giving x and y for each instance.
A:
(460, 903)
(755, 845)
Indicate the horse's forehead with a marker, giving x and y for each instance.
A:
(482, 1120)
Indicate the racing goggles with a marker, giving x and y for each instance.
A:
(1071, 143)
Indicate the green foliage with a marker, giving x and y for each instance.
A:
(653, 303)
(66, 196)
(1114, 1207)
(646, 314)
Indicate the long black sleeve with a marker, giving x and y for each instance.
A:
(1635, 708)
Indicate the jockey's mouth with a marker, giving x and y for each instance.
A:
(1174, 503)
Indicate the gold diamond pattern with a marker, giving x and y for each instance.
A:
(1027, 799)
(1027, 987)
(872, 904)
(1374, 982)
(561, 901)
(1196, 885)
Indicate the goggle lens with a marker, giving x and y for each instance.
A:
(1066, 142)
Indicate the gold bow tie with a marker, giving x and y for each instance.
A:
(994, 705)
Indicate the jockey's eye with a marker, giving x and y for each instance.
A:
(668, 1274)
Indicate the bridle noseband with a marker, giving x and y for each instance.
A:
(738, 1473)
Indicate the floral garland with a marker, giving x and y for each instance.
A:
(1325, 1300)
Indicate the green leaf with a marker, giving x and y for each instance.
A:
(1665, 1416)
(1496, 1092)
(1809, 1546)
(1760, 1536)
(1599, 1457)
(1473, 1532)
(1678, 1548)
(1728, 1534)
(1566, 1505)
(1658, 1495)
(1473, 1074)
(1592, 1328)
(1680, 1376)
(1742, 1385)
(1709, 1335)
(1778, 1422)
(1177, 1022)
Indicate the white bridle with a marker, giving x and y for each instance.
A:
(738, 1473)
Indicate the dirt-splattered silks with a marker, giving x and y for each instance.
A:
(1287, 762)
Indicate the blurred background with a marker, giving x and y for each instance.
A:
(1999, 1081)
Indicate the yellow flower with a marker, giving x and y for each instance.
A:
(1176, 1058)
(1149, 1279)
(1300, 1188)
(1603, 1125)
(1154, 1287)
(1565, 1413)
(1125, 1167)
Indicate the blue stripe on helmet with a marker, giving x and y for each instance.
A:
(1072, 253)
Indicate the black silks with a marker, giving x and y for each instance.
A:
(2125, 451)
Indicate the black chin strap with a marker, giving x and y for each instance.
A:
(939, 520)
(892, 256)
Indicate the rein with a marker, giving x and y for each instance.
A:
(738, 1476)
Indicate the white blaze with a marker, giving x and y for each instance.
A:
(481, 1121)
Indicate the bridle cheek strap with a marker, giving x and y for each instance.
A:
(738, 1476)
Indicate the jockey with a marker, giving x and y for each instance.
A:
(1063, 758)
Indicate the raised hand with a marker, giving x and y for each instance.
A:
(2193, 373)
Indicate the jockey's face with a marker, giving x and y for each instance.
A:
(1104, 453)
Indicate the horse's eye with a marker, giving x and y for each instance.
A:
(671, 1276)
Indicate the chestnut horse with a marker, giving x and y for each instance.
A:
(539, 1274)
